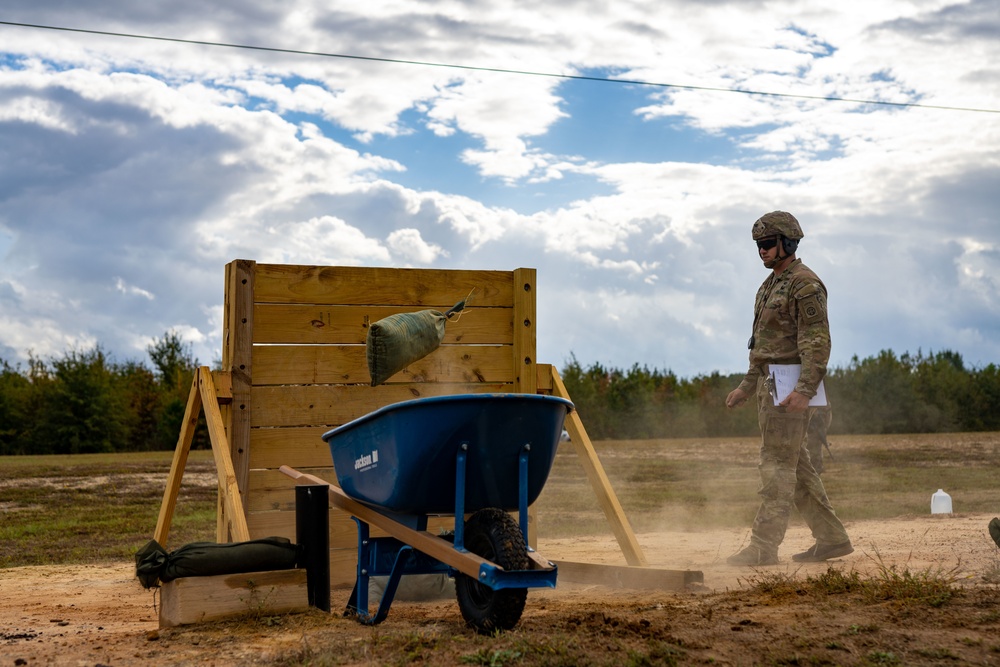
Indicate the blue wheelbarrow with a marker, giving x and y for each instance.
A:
(477, 457)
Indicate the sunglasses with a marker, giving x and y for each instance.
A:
(767, 244)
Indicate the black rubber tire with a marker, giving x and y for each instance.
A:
(494, 535)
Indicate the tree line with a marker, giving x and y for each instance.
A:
(908, 393)
(86, 402)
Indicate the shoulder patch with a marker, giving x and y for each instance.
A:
(808, 289)
(810, 309)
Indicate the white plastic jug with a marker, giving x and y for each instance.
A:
(940, 503)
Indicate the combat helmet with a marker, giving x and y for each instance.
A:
(777, 223)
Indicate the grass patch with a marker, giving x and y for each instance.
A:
(96, 507)
(772, 584)
(93, 507)
(931, 587)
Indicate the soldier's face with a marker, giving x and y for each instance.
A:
(767, 248)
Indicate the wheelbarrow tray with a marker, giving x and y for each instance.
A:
(402, 457)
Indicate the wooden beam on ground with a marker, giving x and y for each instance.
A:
(606, 497)
(627, 576)
(200, 599)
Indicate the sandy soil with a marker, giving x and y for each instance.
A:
(100, 615)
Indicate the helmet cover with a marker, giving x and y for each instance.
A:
(777, 223)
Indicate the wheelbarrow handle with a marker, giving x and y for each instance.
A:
(432, 545)
(291, 472)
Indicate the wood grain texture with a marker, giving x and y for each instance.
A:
(333, 405)
(201, 599)
(348, 325)
(348, 364)
(345, 285)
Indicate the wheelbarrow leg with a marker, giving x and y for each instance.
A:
(460, 459)
(357, 604)
(522, 491)
(460, 480)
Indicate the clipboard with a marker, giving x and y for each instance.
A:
(785, 377)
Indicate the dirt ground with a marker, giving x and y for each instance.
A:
(100, 615)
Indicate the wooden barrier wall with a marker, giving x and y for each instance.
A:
(294, 347)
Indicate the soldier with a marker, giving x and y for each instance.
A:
(790, 327)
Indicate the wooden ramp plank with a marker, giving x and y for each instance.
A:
(628, 576)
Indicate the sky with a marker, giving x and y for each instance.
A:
(614, 147)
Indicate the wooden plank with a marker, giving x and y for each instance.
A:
(623, 576)
(272, 491)
(347, 285)
(201, 599)
(181, 451)
(422, 540)
(223, 381)
(330, 405)
(232, 501)
(525, 377)
(237, 361)
(606, 497)
(544, 376)
(343, 567)
(347, 364)
(348, 325)
(343, 530)
(301, 447)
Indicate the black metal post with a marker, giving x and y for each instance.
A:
(312, 533)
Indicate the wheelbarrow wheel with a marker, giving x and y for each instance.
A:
(494, 535)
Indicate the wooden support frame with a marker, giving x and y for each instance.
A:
(293, 366)
(208, 394)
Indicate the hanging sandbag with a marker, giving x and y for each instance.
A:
(396, 341)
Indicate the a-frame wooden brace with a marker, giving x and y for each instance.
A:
(208, 391)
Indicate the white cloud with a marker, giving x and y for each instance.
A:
(408, 245)
(149, 165)
(126, 289)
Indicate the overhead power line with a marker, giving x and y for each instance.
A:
(501, 70)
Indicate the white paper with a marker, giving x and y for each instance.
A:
(786, 376)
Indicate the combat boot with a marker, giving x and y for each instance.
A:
(754, 555)
(817, 553)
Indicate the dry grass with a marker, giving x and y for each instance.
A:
(712, 482)
(96, 507)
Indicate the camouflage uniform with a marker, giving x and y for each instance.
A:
(790, 327)
(820, 417)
